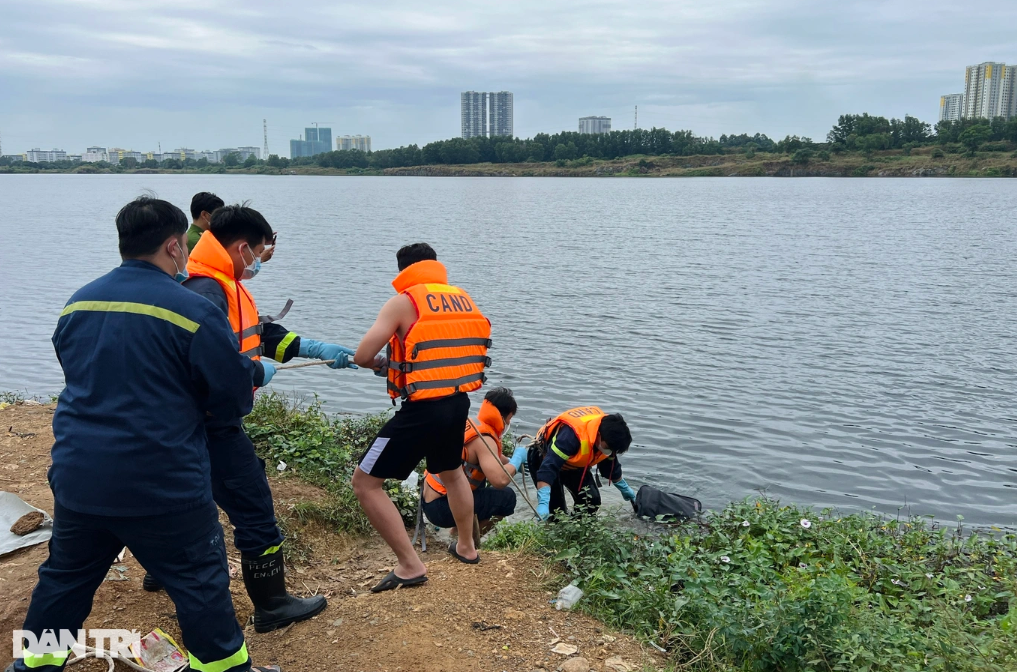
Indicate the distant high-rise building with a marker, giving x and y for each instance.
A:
(316, 141)
(989, 91)
(473, 110)
(950, 106)
(348, 142)
(95, 155)
(594, 124)
(486, 114)
(46, 156)
(499, 105)
(245, 152)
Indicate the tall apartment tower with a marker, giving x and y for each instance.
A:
(500, 107)
(594, 124)
(486, 114)
(951, 106)
(989, 91)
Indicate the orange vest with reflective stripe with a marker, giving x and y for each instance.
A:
(490, 426)
(445, 350)
(585, 422)
(209, 259)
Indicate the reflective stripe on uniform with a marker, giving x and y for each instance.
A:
(280, 350)
(238, 658)
(133, 308)
(558, 451)
(34, 660)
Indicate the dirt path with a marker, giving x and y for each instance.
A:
(494, 616)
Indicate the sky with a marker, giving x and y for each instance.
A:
(204, 74)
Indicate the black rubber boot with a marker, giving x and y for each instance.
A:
(150, 584)
(274, 608)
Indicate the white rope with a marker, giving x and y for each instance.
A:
(92, 653)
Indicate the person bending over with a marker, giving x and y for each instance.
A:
(565, 451)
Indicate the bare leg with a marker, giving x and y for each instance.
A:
(460, 500)
(385, 518)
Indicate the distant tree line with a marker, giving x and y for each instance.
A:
(852, 132)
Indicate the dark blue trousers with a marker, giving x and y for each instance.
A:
(185, 552)
(240, 488)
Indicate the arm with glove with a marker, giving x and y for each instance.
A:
(325, 351)
(612, 471)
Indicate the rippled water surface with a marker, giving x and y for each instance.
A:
(835, 342)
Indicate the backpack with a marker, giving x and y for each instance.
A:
(651, 502)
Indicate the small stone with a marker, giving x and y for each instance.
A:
(566, 649)
(609, 638)
(578, 664)
(337, 622)
(616, 664)
(28, 523)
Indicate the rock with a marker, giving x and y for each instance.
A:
(565, 649)
(618, 665)
(28, 523)
(579, 664)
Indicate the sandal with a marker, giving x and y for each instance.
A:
(391, 582)
(452, 551)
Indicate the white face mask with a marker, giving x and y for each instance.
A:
(251, 269)
(181, 273)
(607, 451)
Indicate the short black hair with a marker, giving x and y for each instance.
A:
(204, 201)
(502, 399)
(615, 433)
(145, 223)
(411, 254)
(231, 223)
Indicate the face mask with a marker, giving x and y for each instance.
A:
(180, 275)
(607, 451)
(251, 269)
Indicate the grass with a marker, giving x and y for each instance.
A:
(763, 586)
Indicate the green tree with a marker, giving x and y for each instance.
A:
(129, 162)
(975, 136)
(802, 156)
(232, 160)
(250, 161)
(150, 163)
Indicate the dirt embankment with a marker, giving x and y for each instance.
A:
(493, 616)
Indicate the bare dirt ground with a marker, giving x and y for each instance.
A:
(492, 616)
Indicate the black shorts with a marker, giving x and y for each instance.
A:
(487, 503)
(431, 429)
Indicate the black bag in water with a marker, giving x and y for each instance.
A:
(651, 502)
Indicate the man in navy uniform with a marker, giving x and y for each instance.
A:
(145, 361)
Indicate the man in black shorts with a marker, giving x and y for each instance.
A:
(437, 342)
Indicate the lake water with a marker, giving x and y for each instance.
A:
(834, 342)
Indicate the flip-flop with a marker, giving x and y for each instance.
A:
(452, 550)
(391, 582)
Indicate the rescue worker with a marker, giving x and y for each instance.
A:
(565, 451)
(203, 204)
(437, 352)
(227, 254)
(144, 362)
(483, 464)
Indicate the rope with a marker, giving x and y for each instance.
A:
(301, 365)
(483, 440)
(92, 653)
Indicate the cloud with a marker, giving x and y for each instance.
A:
(205, 73)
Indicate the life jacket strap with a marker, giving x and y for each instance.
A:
(254, 352)
(450, 343)
(438, 384)
(407, 367)
(256, 330)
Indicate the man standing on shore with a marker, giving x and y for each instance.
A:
(203, 204)
(437, 342)
(144, 361)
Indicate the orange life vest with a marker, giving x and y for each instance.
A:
(210, 259)
(445, 350)
(489, 426)
(585, 422)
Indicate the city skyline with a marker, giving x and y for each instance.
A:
(74, 74)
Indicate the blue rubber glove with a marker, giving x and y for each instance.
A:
(318, 350)
(544, 502)
(518, 457)
(627, 493)
(269, 372)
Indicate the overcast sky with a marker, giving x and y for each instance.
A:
(204, 73)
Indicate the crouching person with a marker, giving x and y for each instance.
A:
(484, 466)
(565, 451)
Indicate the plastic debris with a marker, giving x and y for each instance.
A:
(567, 597)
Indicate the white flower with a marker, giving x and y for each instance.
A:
(725, 559)
(802, 565)
(967, 598)
(745, 523)
(806, 523)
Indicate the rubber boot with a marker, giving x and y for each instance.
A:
(150, 584)
(274, 608)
